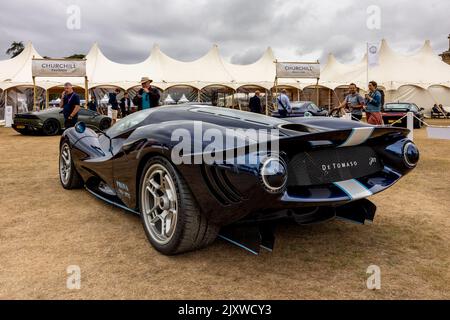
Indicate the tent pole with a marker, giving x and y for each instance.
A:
(267, 99)
(298, 94)
(329, 100)
(367, 64)
(86, 92)
(34, 93)
(275, 107)
(47, 96)
(317, 92)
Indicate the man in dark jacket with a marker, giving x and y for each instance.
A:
(148, 96)
(114, 104)
(255, 103)
(70, 103)
(125, 105)
(93, 105)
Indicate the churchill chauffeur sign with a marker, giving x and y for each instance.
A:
(298, 70)
(59, 68)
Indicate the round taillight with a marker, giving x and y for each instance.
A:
(411, 155)
(274, 174)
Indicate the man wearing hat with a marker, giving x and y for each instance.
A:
(148, 97)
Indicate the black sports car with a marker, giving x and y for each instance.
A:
(393, 112)
(174, 166)
(304, 109)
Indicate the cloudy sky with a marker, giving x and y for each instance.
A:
(243, 29)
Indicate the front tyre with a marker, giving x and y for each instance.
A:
(68, 175)
(170, 216)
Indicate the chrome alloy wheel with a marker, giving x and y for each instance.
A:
(65, 164)
(159, 204)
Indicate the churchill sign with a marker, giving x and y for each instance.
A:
(59, 68)
(298, 70)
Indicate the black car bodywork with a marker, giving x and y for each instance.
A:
(330, 166)
(393, 112)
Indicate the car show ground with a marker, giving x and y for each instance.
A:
(44, 229)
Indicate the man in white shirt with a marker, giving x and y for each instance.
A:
(284, 104)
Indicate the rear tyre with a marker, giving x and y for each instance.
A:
(171, 218)
(68, 175)
(51, 127)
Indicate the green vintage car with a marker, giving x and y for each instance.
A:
(51, 121)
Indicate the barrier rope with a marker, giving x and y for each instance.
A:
(429, 125)
(420, 120)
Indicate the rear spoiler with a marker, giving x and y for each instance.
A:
(342, 138)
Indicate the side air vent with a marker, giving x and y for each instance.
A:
(220, 186)
(298, 127)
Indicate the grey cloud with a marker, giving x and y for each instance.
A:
(186, 30)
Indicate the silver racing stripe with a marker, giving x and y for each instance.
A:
(358, 137)
(354, 189)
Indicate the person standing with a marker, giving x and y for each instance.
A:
(255, 103)
(142, 99)
(155, 97)
(284, 104)
(373, 105)
(353, 102)
(114, 104)
(70, 103)
(125, 105)
(93, 105)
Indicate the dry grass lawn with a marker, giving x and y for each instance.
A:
(44, 229)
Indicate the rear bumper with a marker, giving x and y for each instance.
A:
(22, 126)
(339, 193)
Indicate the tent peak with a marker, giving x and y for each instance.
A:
(427, 48)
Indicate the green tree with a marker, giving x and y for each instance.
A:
(76, 56)
(15, 49)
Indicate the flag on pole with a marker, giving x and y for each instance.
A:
(373, 54)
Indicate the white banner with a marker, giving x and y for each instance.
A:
(373, 54)
(298, 70)
(58, 68)
(438, 133)
(8, 116)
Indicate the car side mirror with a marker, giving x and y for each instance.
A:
(80, 127)
(422, 109)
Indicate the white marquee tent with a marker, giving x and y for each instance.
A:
(421, 77)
